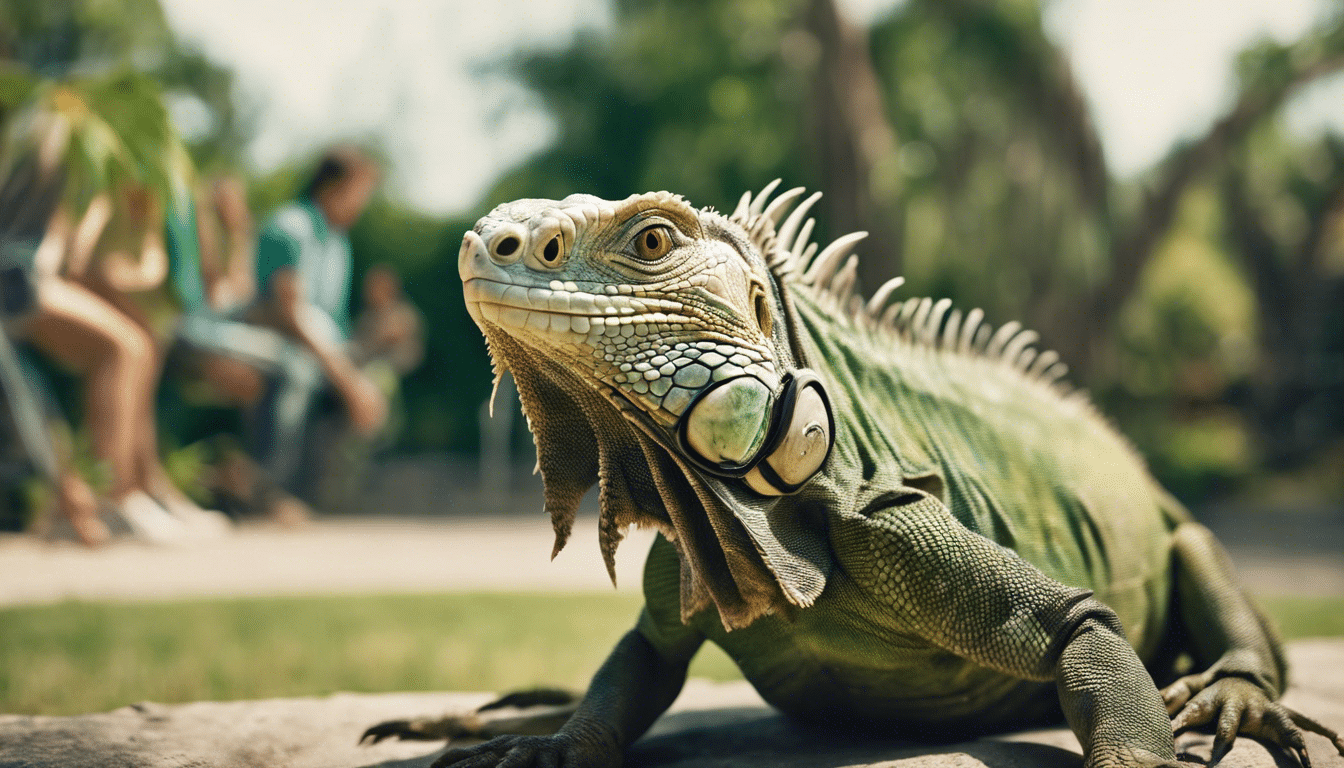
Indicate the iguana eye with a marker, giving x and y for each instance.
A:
(653, 243)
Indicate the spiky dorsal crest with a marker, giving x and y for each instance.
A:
(831, 277)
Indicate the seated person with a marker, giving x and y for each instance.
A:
(389, 329)
(218, 357)
(154, 291)
(31, 203)
(53, 248)
(303, 281)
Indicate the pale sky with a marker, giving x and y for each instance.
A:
(407, 71)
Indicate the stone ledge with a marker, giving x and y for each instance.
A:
(710, 725)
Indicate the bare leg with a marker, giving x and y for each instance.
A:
(153, 477)
(237, 381)
(110, 352)
(78, 503)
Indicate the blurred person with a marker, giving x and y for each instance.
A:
(154, 289)
(304, 272)
(234, 359)
(213, 343)
(30, 200)
(227, 241)
(47, 251)
(389, 329)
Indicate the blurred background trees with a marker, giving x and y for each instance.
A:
(1202, 302)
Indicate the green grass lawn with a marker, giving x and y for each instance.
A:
(77, 657)
(87, 657)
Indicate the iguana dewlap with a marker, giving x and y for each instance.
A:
(885, 513)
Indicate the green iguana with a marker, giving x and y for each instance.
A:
(885, 513)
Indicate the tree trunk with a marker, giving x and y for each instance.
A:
(851, 136)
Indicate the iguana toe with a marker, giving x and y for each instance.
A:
(424, 729)
(1175, 696)
(536, 697)
(387, 730)
(535, 752)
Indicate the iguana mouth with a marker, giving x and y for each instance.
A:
(513, 304)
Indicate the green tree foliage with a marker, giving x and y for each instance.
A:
(1006, 199)
(125, 63)
(980, 176)
(697, 97)
(52, 36)
(1285, 226)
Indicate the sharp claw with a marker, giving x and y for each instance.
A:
(377, 733)
(1229, 723)
(1279, 729)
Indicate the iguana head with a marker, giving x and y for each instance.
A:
(652, 347)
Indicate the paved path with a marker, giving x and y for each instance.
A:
(335, 555)
(500, 553)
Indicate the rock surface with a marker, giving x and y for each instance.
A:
(711, 725)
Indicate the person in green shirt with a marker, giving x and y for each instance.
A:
(304, 274)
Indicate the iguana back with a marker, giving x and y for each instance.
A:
(1017, 457)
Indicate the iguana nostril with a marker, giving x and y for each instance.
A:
(552, 250)
(507, 246)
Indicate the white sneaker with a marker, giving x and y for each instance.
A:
(199, 523)
(149, 521)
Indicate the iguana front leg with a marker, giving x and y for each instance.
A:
(635, 685)
(1243, 669)
(961, 592)
(1108, 697)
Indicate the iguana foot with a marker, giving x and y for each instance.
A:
(1238, 706)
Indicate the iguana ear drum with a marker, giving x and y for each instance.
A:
(738, 428)
(728, 423)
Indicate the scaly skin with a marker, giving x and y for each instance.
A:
(977, 551)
